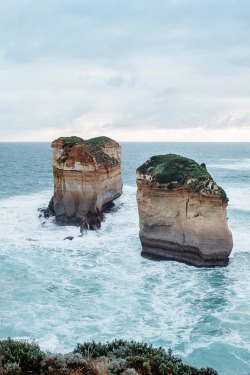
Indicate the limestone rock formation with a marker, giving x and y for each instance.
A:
(183, 212)
(87, 176)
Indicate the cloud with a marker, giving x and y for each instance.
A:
(87, 67)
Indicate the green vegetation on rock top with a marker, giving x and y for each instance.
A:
(19, 357)
(74, 140)
(94, 145)
(71, 141)
(175, 171)
(100, 156)
(94, 358)
(99, 140)
(171, 167)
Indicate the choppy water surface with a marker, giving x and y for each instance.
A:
(98, 287)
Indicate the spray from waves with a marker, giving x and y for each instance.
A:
(98, 287)
(232, 164)
(20, 222)
(239, 218)
(239, 198)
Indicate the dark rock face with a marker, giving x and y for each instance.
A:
(164, 250)
(91, 221)
(48, 211)
(182, 213)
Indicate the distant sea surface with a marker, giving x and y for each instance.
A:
(98, 287)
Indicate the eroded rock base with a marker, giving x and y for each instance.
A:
(164, 250)
(92, 221)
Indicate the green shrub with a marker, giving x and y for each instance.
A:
(12, 369)
(130, 371)
(99, 140)
(174, 171)
(171, 185)
(94, 145)
(100, 156)
(54, 364)
(71, 141)
(141, 357)
(119, 357)
(26, 355)
(223, 194)
(171, 167)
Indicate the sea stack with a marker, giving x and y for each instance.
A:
(182, 212)
(87, 177)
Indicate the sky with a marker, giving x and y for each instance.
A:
(133, 70)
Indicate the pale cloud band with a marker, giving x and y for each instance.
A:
(134, 70)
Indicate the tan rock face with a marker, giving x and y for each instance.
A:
(87, 176)
(182, 224)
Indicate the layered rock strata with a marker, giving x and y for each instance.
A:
(87, 177)
(182, 212)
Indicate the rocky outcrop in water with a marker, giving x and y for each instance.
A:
(183, 212)
(87, 177)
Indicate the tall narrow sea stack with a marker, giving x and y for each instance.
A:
(87, 176)
(183, 212)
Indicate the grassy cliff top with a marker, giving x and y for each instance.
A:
(175, 171)
(74, 140)
(94, 146)
(71, 141)
(99, 140)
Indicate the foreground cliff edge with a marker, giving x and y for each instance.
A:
(182, 212)
(87, 177)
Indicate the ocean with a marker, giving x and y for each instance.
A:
(98, 287)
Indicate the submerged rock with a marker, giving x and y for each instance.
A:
(87, 177)
(183, 212)
(68, 238)
(47, 211)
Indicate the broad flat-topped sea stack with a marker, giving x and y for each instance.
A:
(87, 176)
(183, 212)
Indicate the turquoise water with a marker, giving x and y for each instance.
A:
(99, 287)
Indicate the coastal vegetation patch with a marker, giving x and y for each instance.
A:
(100, 156)
(174, 171)
(99, 141)
(71, 141)
(119, 357)
(67, 144)
(94, 146)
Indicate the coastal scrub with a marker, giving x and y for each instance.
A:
(93, 145)
(175, 171)
(119, 357)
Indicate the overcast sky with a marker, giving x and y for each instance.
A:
(141, 70)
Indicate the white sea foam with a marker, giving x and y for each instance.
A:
(98, 287)
(239, 198)
(232, 164)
